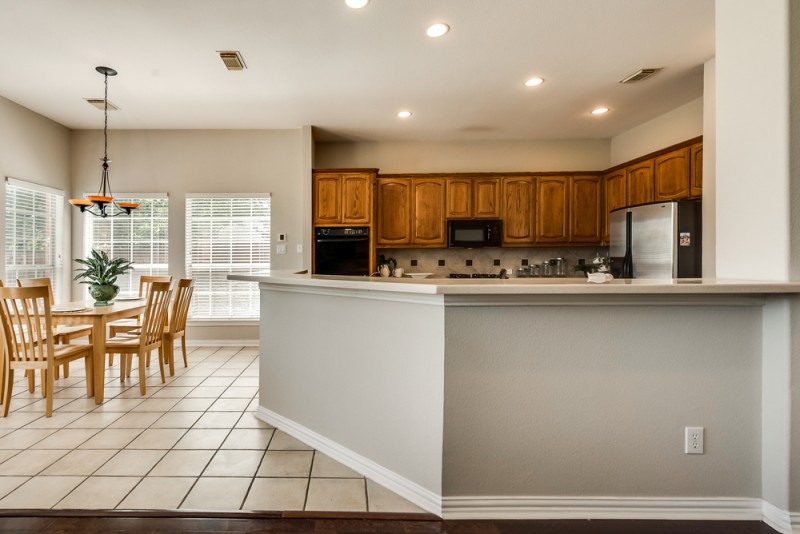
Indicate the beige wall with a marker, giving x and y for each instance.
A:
(488, 156)
(678, 125)
(199, 161)
(35, 149)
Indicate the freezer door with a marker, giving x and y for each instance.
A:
(654, 245)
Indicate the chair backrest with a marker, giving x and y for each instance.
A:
(38, 282)
(180, 306)
(145, 281)
(155, 313)
(27, 324)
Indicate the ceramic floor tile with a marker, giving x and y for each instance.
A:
(192, 405)
(186, 381)
(226, 372)
(79, 462)
(95, 420)
(157, 438)
(67, 438)
(223, 381)
(40, 405)
(25, 437)
(5, 454)
(119, 405)
(40, 492)
(206, 392)
(327, 467)
(286, 464)
(136, 420)
(31, 462)
(284, 442)
(156, 405)
(80, 406)
(101, 493)
(18, 420)
(248, 438)
(157, 493)
(58, 420)
(9, 484)
(131, 463)
(112, 438)
(274, 494)
(134, 393)
(177, 420)
(218, 420)
(336, 494)
(229, 405)
(173, 392)
(217, 494)
(183, 463)
(239, 393)
(234, 463)
(246, 381)
(202, 438)
(253, 406)
(70, 393)
(380, 499)
(249, 420)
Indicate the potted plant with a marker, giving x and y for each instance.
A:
(100, 273)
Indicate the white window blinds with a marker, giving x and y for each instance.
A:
(141, 238)
(34, 234)
(226, 234)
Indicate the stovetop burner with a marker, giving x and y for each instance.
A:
(473, 275)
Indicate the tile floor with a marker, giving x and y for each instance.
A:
(192, 443)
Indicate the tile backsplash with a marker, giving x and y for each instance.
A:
(443, 261)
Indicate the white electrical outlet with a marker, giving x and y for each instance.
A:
(299, 249)
(694, 440)
(281, 249)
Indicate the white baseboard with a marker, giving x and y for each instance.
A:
(221, 342)
(781, 520)
(690, 508)
(411, 491)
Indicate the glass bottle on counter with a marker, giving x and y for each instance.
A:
(560, 269)
(547, 269)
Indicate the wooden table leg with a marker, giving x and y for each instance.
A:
(99, 357)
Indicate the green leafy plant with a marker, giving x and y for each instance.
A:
(100, 270)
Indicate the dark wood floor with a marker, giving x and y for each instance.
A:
(57, 524)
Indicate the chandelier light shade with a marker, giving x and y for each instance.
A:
(103, 204)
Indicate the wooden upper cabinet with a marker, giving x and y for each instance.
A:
(517, 210)
(428, 227)
(552, 209)
(342, 198)
(615, 185)
(356, 198)
(394, 212)
(585, 210)
(327, 199)
(672, 175)
(459, 198)
(640, 183)
(487, 198)
(696, 171)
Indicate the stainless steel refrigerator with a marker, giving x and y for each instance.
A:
(661, 240)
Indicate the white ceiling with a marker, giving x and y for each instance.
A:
(348, 72)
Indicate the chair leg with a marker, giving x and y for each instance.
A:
(56, 373)
(48, 379)
(168, 347)
(44, 383)
(66, 370)
(110, 359)
(183, 348)
(89, 364)
(7, 386)
(142, 377)
(31, 380)
(128, 363)
(122, 360)
(161, 365)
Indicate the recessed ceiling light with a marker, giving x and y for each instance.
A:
(438, 29)
(533, 82)
(404, 114)
(356, 4)
(599, 111)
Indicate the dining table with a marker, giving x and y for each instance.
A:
(85, 312)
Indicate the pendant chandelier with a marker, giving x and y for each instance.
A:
(103, 204)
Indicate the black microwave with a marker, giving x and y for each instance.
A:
(472, 233)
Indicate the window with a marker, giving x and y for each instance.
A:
(226, 234)
(34, 233)
(141, 238)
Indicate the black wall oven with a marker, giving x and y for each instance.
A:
(342, 250)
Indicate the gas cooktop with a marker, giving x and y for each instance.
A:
(473, 275)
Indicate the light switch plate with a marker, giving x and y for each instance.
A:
(280, 249)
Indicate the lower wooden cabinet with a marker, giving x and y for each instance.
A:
(517, 210)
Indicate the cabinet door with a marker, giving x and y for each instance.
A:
(672, 175)
(640, 183)
(327, 199)
(487, 198)
(552, 209)
(459, 198)
(428, 213)
(696, 188)
(394, 212)
(616, 195)
(584, 208)
(517, 210)
(356, 198)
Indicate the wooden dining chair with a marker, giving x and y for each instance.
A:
(176, 324)
(62, 333)
(126, 325)
(150, 337)
(28, 333)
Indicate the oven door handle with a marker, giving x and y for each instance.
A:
(342, 239)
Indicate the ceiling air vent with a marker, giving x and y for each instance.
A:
(639, 75)
(232, 59)
(98, 103)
